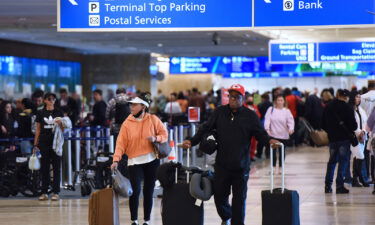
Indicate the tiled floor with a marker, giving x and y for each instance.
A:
(304, 172)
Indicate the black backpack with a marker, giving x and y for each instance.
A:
(122, 111)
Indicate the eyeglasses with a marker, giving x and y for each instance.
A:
(51, 99)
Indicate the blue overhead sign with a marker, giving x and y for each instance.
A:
(347, 52)
(292, 52)
(282, 13)
(218, 65)
(148, 15)
(321, 52)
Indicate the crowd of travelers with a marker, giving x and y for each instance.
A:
(347, 116)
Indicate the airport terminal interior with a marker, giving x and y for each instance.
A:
(79, 78)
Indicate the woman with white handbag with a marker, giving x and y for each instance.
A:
(43, 142)
(358, 151)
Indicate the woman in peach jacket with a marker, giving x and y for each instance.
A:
(135, 139)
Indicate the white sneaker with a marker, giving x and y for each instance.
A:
(43, 197)
(55, 197)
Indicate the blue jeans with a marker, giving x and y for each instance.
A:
(339, 153)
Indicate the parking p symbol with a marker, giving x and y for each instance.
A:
(93, 7)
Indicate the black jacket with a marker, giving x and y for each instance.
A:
(99, 114)
(335, 112)
(314, 111)
(24, 124)
(233, 136)
(74, 109)
(263, 107)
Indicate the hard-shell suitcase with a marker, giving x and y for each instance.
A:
(178, 206)
(104, 208)
(280, 206)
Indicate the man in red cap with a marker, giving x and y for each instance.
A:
(235, 126)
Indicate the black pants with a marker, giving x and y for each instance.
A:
(147, 172)
(49, 157)
(260, 148)
(224, 182)
(274, 159)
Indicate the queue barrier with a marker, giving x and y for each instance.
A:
(96, 138)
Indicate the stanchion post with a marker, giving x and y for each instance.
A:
(98, 136)
(175, 138)
(88, 143)
(180, 138)
(78, 152)
(108, 136)
(193, 149)
(111, 144)
(70, 158)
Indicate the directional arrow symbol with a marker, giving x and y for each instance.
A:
(73, 2)
(267, 1)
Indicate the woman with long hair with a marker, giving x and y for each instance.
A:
(279, 124)
(135, 139)
(7, 129)
(358, 151)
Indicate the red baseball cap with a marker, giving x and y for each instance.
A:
(237, 87)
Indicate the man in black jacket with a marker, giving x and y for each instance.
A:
(314, 110)
(235, 125)
(339, 122)
(99, 109)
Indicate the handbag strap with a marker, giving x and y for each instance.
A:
(342, 123)
(153, 122)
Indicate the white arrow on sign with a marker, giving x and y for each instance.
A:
(73, 2)
(267, 1)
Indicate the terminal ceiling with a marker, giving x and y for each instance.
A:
(34, 21)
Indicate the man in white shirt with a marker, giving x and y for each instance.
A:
(368, 99)
(173, 107)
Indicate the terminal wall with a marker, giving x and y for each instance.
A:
(116, 69)
(22, 49)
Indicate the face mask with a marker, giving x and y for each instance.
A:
(138, 114)
(249, 103)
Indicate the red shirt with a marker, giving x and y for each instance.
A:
(292, 101)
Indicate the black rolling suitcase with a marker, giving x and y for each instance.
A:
(178, 206)
(280, 206)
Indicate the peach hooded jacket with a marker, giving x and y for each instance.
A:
(132, 139)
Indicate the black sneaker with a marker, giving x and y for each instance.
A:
(342, 190)
(355, 183)
(348, 180)
(373, 192)
(328, 189)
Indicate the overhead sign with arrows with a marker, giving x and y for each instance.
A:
(183, 15)
(153, 15)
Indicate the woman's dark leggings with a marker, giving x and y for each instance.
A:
(279, 150)
(147, 172)
(49, 157)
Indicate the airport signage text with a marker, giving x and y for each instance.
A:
(149, 15)
(281, 53)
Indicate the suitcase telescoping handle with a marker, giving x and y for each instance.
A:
(282, 167)
(187, 165)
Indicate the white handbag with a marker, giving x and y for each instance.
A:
(34, 162)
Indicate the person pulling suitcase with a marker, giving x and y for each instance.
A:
(135, 139)
(235, 126)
